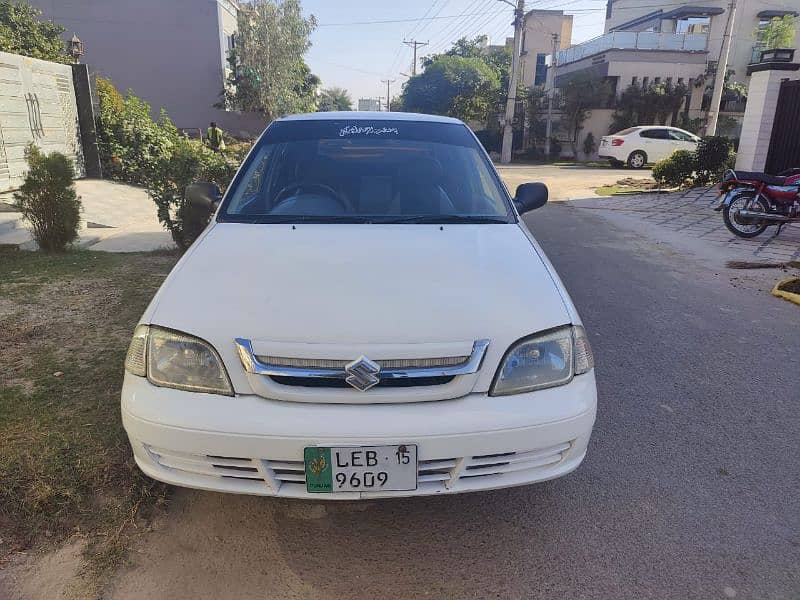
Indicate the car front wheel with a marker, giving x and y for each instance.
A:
(637, 159)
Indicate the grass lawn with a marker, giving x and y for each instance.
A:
(65, 464)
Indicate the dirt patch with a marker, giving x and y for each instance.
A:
(793, 286)
(55, 574)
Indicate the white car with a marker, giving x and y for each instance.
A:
(365, 316)
(638, 146)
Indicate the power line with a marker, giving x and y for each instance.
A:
(453, 27)
(380, 22)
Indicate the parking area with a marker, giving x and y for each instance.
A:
(688, 220)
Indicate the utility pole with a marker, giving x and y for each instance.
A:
(508, 125)
(415, 44)
(551, 90)
(722, 70)
(388, 99)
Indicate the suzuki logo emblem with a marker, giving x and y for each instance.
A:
(362, 373)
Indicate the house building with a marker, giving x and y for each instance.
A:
(369, 104)
(537, 42)
(172, 54)
(677, 44)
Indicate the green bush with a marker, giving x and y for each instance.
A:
(189, 161)
(714, 155)
(47, 200)
(677, 169)
(130, 142)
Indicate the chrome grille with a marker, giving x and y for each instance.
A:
(395, 363)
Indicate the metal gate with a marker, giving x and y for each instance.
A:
(37, 105)
(784, 144)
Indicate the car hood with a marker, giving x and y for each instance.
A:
(358, 286)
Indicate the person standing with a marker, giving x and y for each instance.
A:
(214, 136)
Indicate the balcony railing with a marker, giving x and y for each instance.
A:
(635, 40)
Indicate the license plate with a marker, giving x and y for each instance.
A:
(360, 468)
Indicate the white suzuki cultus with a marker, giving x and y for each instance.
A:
(365, 316)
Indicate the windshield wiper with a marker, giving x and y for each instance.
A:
(444, 219)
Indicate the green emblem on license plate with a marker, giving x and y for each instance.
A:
(319, 471)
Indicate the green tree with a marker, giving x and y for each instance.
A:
(334, 98)
(778, 33)
(453, 85)
(21, 32)
(581, 93)
(497, 59)
(268, 74)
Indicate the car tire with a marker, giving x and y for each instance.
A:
(637, 159)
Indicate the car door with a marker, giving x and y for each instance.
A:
(656, 143)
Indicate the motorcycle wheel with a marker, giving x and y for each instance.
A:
(744, 227)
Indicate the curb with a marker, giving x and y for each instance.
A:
(790, 296)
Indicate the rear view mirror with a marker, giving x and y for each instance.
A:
(530, 196)
(203, 196)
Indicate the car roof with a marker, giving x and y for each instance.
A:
(370, 116)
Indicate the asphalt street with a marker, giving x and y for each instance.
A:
(690, 488)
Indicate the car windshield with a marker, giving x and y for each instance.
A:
(358, 171)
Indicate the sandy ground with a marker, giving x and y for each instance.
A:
(567, 183)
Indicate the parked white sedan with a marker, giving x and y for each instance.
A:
(365, 316)
(638, 146)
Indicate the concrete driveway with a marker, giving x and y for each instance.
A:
(691, 488)
(567, 182)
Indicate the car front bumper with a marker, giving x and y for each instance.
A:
(252, 445)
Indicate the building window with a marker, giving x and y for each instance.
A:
(680, 80)
(634, 80)
(645, 81)
(540, 77)
(669, 80)
(230, 42)
(693, 25)
(609, 4)
(657, 80)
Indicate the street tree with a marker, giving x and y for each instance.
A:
(334, 98)
(268, 73)
(453, 85)
(579, 96)
(22, 32)
(778, 33)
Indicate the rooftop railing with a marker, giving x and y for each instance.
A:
(635, 40)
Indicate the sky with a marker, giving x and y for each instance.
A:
(351, 50)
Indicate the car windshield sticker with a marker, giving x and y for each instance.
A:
(356, 130)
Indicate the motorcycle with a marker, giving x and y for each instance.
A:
(751, 202)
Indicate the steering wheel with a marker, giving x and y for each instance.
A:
(285, 193)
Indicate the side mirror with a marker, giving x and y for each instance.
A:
(203, 196)
(530, 196)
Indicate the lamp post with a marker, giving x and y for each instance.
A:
(76, 48)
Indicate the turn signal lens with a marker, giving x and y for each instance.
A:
(584, 359)
(136, 359)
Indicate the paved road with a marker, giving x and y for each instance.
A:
(690, 488)
(567, 183)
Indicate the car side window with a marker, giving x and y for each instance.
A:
(655, 134)
(680, 136)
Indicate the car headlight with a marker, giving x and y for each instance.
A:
(176, 360)
(544, 360)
